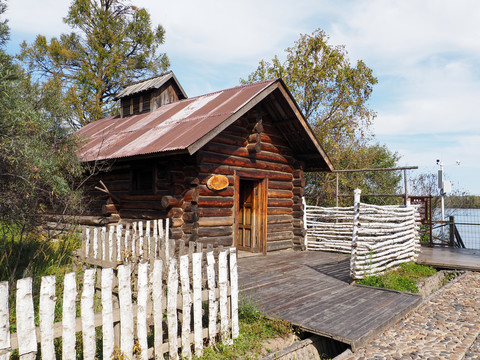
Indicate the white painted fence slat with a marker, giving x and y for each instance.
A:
(68, 317)
(172, 322)
(88, 325)
(119, 242)
(186, 306)
(197, 302)
(87, 242)
(103, 239)
(126, 310)
(110, 243)
(47, 317)
(212, 300)
(27, 339)
(142, 299)
(222, 283)
(4, 322)
(157, 297)
(107, 313)
(234, 292)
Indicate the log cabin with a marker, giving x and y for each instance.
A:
(226, 168)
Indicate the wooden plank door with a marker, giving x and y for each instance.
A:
(247, 209)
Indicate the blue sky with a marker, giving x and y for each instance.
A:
(425, 54)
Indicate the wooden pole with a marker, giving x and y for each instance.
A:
(451, 224)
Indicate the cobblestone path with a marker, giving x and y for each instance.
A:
(446, 326)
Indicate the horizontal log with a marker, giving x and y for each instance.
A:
(139, 205)
(190, 217)
(279, 245)
(191, 195)
(280, 194)
(278, 149)
(170, 201)
(215, 169)
(280, 203)
(215, 221)
(298, 174)
(267, 138)
(280, 185)
(142, 214)
(298, 191)
(229, 139)
(279, 211)
(253, 163)
(215, 201)
(175, 212)
(117, 185)
(214, 231)
(203, 178)
(281, 227)
(277, 236)
(139, 197)
(216, 241)
(203, 190)
(299, 182)
(237, 129)
(277, 219)
(262, 174)
(215, 212)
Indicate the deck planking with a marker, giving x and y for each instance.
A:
(311, 290)
(450, 258)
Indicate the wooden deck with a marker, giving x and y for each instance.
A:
(448, 258)
(311, 290)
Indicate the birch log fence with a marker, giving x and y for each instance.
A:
(377, 237)
(143, 301)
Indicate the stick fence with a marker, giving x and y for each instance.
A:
(128, 310)
(377, 237)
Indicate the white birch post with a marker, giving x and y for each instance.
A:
(107, 313)
(172, 322)
(142, 298)
(110, 243)
(4, 322)
(157, 295)
(140, 236)
(305, 240)
(167, 240)
(119, 242)
(88, 323)
(223, 285)
(103, 240)
(234, 292)
(356, 223)
(197, 302)
(187, 306)
(147, 238)
(155, 236)
(134, 240)
(212, 301)
(27, 339)
(87, 242)
(95, 243)
(126, 311)
(47, 317)
(68, 317)
(127, 252)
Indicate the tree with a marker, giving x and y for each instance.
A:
(333, 96)
(38, 165)
(113, 44)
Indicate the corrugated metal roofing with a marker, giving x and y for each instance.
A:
(153, 83)
(174, 127)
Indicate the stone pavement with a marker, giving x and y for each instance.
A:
(445, 326)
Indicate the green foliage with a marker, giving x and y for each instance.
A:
(255, 327)
(333, 96)
(404, 278)
(113, 43)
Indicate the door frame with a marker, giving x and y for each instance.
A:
(260, 212)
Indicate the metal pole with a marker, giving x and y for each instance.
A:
(405, 181)
(442, 197)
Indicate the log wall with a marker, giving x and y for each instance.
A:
(251, 148)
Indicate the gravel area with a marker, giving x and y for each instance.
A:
(445, 326)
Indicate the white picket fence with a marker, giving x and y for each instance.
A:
(377, 237)
(139, 310)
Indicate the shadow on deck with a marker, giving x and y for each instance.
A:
(311, 290)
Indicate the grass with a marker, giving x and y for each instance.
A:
(255, 328)
(404, 278)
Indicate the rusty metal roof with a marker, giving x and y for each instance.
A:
(186, 125)
(153, 83)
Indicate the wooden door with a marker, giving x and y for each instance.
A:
(247, 210)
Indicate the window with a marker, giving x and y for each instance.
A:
(143, 179)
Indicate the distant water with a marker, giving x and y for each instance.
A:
(470, 233)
